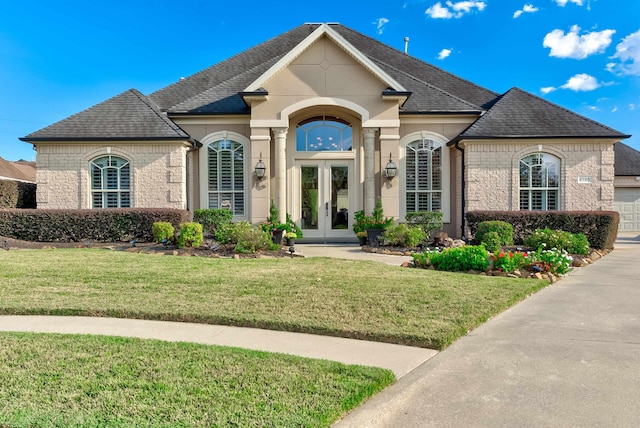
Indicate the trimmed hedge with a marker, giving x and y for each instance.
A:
(99, 225)
(600, 227)
(17, 194)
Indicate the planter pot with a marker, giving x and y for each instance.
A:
(290, 241)
(373, 236)
(276, 236)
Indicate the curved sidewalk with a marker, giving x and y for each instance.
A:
(399, 359)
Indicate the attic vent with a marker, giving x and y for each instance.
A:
(406, 45)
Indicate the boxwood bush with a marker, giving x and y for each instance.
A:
(212, 218)
(502, 228)
(100, 225)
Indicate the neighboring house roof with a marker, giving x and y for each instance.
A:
(627, 160)
(519, 114)
(128, 116)
(18, 171)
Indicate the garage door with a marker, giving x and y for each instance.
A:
(627, 203)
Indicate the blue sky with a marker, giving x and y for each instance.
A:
(60, 57)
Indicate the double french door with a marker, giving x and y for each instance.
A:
(325, 195)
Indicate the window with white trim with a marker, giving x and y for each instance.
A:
(539, 182)
(226, 189)
(110, 182)
(423, 169)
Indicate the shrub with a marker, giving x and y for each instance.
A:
(428, 221)
(403, 235)
(461, 259)
(376, 220)
(492, 242)
(190, 235)
(579, 244)
(555, 261)
(17, 194)
(502, 228)
(249, 239)
(212, 218)
(599, 227)
(225, 233)
(163, 230)
(100, 225)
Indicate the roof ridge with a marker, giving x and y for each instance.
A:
(410, 76)
(156, 110)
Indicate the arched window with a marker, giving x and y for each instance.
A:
(539, 182)
(225, 162)
(423, 169)
(110, 183)
(324, 134)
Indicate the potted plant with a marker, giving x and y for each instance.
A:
(290, 238)
(273, 226)
(362, 237)
(373, 225)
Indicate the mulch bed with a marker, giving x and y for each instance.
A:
(206, 250)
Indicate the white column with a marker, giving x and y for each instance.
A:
(369, 170)
(280, 135)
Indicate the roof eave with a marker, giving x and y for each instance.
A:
(537, 137)
(56, 139)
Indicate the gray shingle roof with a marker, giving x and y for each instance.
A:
(127, 116)
(214, 90)
(519, 114)
(627, 160)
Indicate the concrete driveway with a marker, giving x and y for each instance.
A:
(567, 356)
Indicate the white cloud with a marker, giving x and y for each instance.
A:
(380, 23)
(548, 89)
(581, 82)
(563, 3)
(614, 109)
(454, 10)
(444, 53)
(528, 8)
(628, 52)
(632, 107)
(572, 45)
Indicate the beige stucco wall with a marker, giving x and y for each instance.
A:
(626, 181)
(492, 174)
(158, 173)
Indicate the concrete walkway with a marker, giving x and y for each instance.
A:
(399, 359)
(349, 252)
(568, 356)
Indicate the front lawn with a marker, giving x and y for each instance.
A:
(91, 381)
(364, 300)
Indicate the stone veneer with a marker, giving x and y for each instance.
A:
(158, 173)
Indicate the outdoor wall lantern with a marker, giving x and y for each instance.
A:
(260, 169)
(391, 169)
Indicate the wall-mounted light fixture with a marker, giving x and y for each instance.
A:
(391, 169)
(260, 169)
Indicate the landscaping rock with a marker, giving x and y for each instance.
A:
(579, 262)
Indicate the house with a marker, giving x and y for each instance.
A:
(21, 171)
(324, 120)
(17, 184)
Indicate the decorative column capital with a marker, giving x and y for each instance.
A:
(369, 132)
(280, 132)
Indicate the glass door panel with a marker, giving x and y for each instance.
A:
(309, 197)
(339, 176)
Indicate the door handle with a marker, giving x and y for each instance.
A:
(326, 209)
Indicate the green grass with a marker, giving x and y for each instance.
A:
(345, 298)
(83, 381)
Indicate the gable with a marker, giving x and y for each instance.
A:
(325, 70)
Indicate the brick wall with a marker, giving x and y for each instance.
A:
(586, 173)
(158, 174)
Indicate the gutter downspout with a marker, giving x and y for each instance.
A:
(462, 189)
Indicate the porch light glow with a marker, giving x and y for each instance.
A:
(391, 169)
(260, 169)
